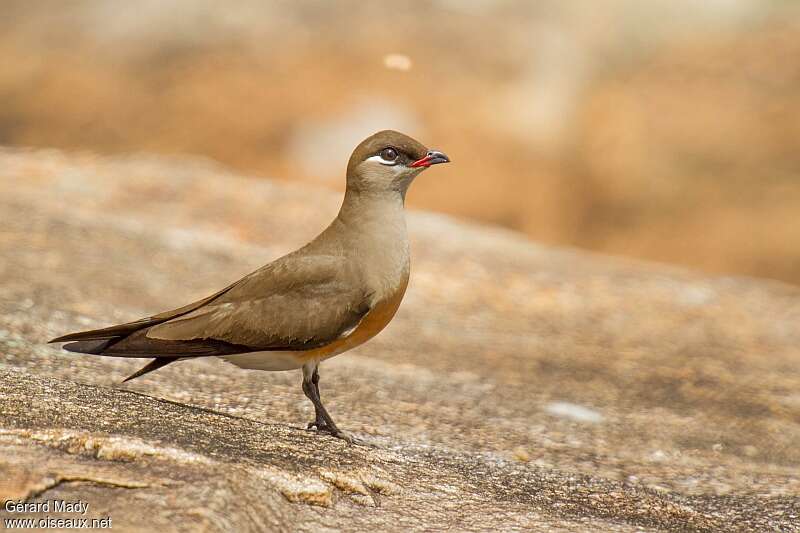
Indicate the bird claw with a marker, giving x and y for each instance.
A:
(321, 427)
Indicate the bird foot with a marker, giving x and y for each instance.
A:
(321, 427)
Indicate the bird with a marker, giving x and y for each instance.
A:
(327, 297)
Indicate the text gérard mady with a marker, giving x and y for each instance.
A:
(77, 507)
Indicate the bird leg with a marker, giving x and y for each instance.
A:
(319, 421)
(323, 421)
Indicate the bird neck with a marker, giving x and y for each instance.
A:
(360, 208)
(373, 226)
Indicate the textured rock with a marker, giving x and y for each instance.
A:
(520, 387)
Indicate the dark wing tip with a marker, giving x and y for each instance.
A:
(82, 336)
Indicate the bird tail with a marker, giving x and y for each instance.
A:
(98, 341)
(97, 347)
(155, 364)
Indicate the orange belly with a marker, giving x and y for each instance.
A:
(370, 325)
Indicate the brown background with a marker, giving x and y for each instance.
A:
(667, 130)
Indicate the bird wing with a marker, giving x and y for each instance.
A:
(298, 302)
(121, 330)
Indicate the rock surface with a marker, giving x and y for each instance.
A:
(519, 388)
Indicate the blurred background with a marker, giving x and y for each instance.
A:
(666, 130)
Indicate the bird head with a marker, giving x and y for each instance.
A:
(389, 161)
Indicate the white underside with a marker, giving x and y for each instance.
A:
(270, 361)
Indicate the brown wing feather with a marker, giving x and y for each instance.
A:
(121, 330)
(297, 302)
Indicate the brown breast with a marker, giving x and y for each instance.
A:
(370, 325)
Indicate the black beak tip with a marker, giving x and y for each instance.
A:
(438, 157)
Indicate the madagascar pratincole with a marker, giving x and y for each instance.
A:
(331, 295)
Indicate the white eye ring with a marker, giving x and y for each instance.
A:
(383, 161)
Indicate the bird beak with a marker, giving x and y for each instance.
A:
(433, 157)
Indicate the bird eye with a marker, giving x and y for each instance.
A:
(388, 154)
